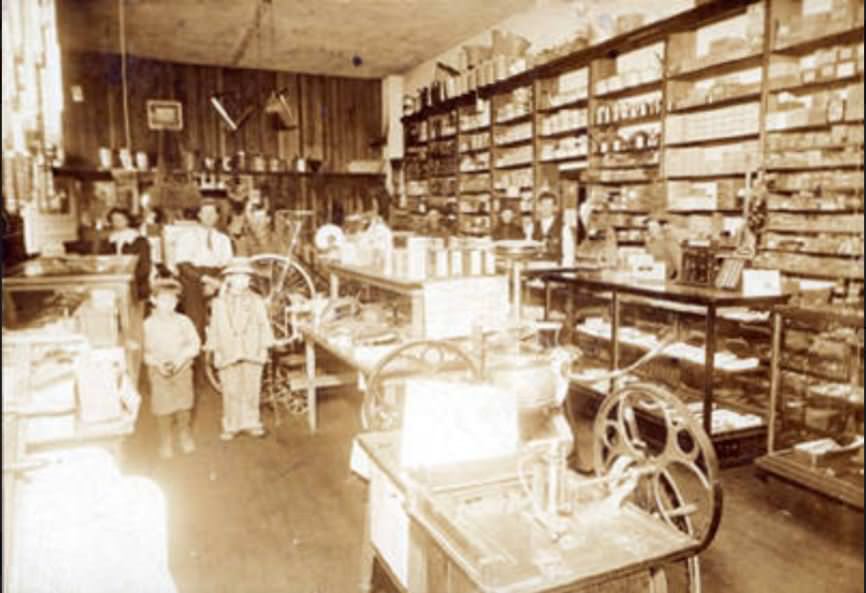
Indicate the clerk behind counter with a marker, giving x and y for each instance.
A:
(552, 230)
(663, 243)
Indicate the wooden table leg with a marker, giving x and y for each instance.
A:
(614, 337)
(774, 381)
(709, 369)
(365, 574)
(310, 352)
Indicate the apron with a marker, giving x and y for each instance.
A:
(170, 394)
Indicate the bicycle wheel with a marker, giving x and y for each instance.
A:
(286, 287)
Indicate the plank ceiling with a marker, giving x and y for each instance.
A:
(360, 38)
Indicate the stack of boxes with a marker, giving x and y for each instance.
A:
(822, 65)
(710, 195)
(796, 29)
(731, 159)
(738, 120)
(684, 46)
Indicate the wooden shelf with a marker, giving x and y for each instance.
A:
(516, 120)
(627, 166)
(726, 102)
(706, 176)
(814, 167)
(817, 85)
(519, 142)
(475, 172)
(564, 159)
(802, 128)
(705, 211)
(521, 165)
(734, 138)
(752, 60)
(476, 129)
(771, 229)
(574, 103)
(563, 133)
(475, 150)
(621, 182)
(815, 210)
(812, 253)
(641, 89)
(628, 151)
(854, 35)
(785, 190)
(636, 121)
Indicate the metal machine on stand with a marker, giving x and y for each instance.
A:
(526, 523)
(517, 254)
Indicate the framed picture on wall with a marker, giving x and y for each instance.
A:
(164, 115)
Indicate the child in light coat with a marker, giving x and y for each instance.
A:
(240, 335)
(171, 343)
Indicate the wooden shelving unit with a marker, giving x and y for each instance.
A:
(694, 85)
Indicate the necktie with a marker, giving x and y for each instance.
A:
(210, 240)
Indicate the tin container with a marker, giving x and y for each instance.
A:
(456, 260)
(258, 163)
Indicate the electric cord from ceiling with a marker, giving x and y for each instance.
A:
(124, 83)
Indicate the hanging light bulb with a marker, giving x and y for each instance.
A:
(280, 111)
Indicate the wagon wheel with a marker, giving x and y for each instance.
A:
(286, 288)
(654, 433)
(382, 408)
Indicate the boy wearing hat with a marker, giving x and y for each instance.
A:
(240, 335)
(171, 343)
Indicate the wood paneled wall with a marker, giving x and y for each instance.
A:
(339, 117)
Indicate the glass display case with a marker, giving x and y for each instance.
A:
(816, 422)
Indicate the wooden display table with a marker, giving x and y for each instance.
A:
(468, 534)
(424, 296)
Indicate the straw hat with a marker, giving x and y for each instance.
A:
(165, 285)
(239, 265)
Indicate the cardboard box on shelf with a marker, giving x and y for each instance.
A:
(827, 72)
(854, 105)
(846, 69)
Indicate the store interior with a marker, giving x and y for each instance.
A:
(526, 296)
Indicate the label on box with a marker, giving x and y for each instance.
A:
(846, 69)
(828, 72)
(762, 282)
(456, 257)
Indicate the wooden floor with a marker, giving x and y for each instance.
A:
(284, 514)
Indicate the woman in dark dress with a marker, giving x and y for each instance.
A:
(125, 239)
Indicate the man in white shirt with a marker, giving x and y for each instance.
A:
(553, 231)
(202, 251)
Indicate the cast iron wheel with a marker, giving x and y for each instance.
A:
(654, 434)
(382, 408)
